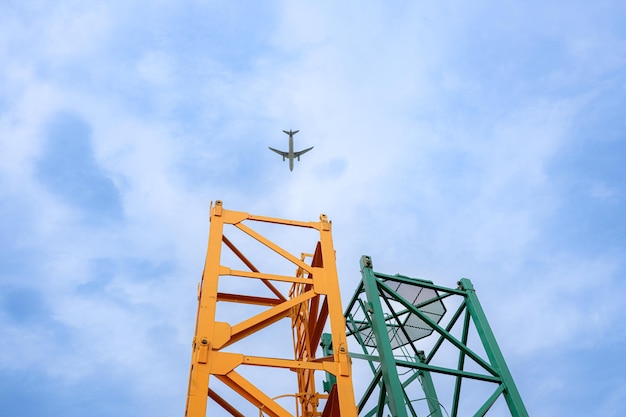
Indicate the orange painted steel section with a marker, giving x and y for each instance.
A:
(224, 404)
(312, 302)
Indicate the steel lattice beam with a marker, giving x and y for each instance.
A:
(312, 301)
(391, 316)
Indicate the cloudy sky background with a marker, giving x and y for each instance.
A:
(451, 140)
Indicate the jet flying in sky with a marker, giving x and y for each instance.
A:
(291, 154)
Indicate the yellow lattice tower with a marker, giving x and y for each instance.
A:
(311, 301)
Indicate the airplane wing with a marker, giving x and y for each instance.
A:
(297, 154)
(283, 154)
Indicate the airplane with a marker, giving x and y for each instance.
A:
(291, 154)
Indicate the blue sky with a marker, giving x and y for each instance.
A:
(451, 140)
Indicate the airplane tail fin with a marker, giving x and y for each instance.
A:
(291, 132)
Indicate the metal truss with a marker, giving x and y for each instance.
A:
(407, 334)
(307, 301)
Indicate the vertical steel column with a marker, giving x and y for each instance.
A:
(345, 389)
(197, 391)
(429, 388)
(391, 380)
(511, 394)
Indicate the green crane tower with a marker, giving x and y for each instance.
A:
(430, 350)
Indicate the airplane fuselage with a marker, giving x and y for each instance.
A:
(290, 152)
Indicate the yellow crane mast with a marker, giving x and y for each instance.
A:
(308, 300)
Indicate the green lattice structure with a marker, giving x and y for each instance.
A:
(430, 350)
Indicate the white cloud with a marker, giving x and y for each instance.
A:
(603, 191)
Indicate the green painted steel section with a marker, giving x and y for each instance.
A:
(432, 368)
(460, 364)
(429, 389)
(376, 382)
(422, 283)
(327, 350)
(511, 394)
(490, 401)
(384, 318)
(450, 338)
(398, 320)
(449, 327)
(393, 388)
(368, 392)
